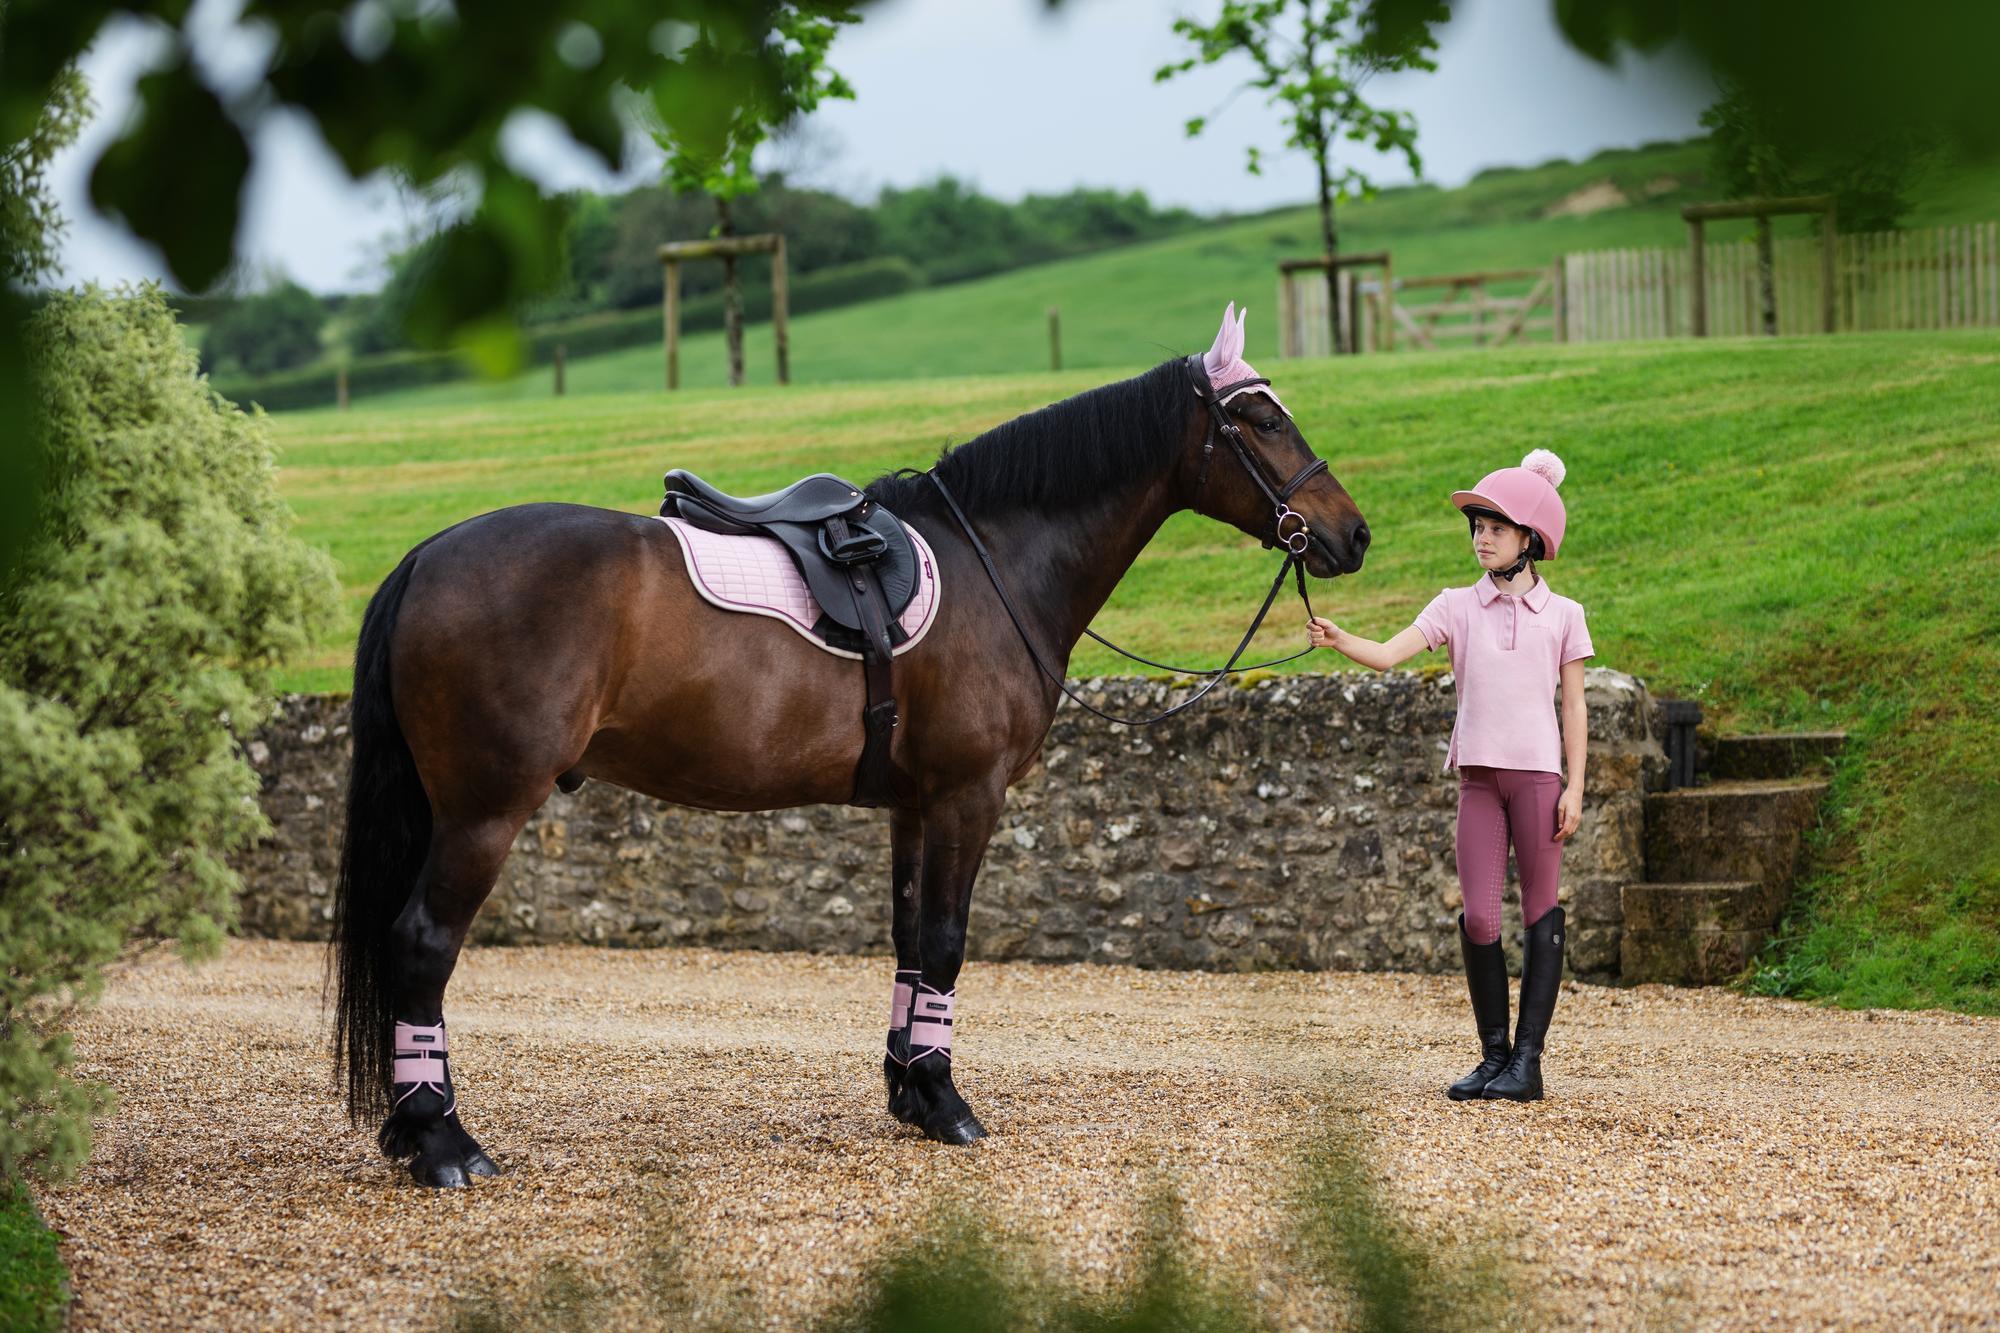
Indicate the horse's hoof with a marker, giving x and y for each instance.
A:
(440, 1175)
(960, 1132)
(904, 1107)
(479, 1164)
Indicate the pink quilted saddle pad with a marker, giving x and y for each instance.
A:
(756, 575)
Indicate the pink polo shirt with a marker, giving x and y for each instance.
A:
(1507, 654)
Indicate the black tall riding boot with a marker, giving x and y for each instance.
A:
(1541, 976)
(1486, 978)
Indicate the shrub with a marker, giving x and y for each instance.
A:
(136, 634)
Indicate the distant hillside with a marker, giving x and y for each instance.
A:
(1118, 305)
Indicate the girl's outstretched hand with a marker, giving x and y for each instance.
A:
(1320, 632)
(1569, 812)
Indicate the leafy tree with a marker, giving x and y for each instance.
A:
(410, 88)
(274, 329)
(161, 584)
(948, 228)
(1820, 73)
(711, 139)
(590, 241)
(821, 231)
(388, 87)
(380, 326)
(1869, 177)
(30, 227)
(1312, 63)
(1085, 219)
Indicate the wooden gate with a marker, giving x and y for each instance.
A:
(1488, 309)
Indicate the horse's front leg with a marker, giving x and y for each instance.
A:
(956, 830)
(906, 858)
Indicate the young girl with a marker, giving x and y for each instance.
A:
(1511, 641)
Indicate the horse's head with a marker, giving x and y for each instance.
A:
(1249, 466)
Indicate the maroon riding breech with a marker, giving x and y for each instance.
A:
(1496, 805)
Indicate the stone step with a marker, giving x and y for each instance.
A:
(1730, 831)
(1743, 904)
(1776, 754)
(1686, 957)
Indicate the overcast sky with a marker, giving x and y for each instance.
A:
(999, 92)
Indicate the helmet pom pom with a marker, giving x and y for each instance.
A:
(1545, 465)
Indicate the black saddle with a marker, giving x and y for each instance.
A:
(859, 562)
(809, 500)
(831, 528)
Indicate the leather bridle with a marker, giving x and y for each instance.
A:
(1295, 544)
(1222, 424)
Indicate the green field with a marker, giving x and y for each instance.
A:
(1133, 305)
(1798, 533)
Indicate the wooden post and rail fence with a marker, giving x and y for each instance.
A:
(1934, 278)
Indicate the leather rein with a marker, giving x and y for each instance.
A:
(1296, 545)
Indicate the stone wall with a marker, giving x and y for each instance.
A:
(1298, 822)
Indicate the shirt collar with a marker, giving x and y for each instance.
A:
(1536, 597)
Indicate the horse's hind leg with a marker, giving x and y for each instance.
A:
(906, 858)
(424, 1125)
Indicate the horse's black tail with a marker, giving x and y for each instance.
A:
(388, 835)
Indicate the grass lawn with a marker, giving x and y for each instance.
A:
(1799, 533)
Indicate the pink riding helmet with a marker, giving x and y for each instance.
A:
(1525, 495)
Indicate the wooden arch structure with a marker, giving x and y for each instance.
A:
(1763, 210)
(728, 249)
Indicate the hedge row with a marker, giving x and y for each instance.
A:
(587, 335)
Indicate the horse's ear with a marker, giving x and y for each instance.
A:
(1228, 346)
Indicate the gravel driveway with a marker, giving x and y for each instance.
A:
(1704, 1158)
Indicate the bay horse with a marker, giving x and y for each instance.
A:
(545, 644)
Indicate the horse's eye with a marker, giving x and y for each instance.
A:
(1268, 425)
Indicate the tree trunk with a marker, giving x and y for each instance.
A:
(732, 300)
(1767, 290)
(1329, 237)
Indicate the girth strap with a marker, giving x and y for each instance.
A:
(874, 776)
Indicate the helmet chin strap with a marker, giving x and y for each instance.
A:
(1505, 576)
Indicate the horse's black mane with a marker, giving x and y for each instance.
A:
(1063, 456)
